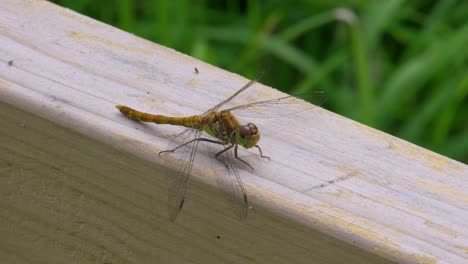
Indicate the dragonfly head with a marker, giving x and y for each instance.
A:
(247, 135)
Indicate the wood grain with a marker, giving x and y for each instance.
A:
(80, 183)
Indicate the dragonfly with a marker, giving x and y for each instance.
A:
(224, 129)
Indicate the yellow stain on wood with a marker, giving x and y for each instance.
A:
(441, 229)
(417, 258)
(339, 193)
(109, 43)
(464, 248)
(395, 203)
(347, 171)
(444, 189)
(428, 158)
(4, 84)
(384, 139)
(193, 83)
(338, 220)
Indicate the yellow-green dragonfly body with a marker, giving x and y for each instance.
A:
(226, 130)
(221, 125)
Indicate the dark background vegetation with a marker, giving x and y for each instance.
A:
(398, 66)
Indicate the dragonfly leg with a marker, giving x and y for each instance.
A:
(191, 141)
(224, 150)
(261, 154)
(221, 152)
(237, 157)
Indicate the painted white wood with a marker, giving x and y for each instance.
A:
(82, 183)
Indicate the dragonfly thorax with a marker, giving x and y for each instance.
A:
(225, 126)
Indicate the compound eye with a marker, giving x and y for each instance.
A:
(253, 128)
(244, 131)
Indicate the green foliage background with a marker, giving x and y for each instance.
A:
(398, 66)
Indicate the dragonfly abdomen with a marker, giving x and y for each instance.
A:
(190, 121)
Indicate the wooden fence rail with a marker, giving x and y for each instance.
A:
(80, 183)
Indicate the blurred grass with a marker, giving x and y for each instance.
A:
(399, 66)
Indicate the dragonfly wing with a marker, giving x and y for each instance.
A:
(179, 179)
(245, 87)
(232, 182)
(278, 107)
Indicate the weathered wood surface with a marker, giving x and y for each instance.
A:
(80, 183)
